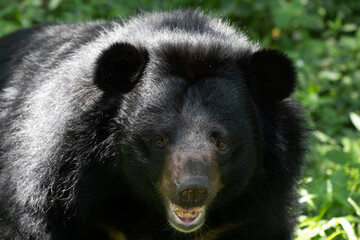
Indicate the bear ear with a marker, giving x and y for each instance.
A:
(120, 67)
(274, 76)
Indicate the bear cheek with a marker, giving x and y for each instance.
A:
(240, 170)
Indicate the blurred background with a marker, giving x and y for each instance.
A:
(323, 38)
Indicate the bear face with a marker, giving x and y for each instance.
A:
(164, 119)
(196, 139)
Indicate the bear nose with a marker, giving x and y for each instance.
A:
(193, 195)
(194, 190)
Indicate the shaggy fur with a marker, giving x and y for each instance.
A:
(80, 105)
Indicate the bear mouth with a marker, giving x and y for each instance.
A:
(186, 219)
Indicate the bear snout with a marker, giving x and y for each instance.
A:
(193, 189)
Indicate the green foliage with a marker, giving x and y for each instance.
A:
(322, 36)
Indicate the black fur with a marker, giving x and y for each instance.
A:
(81, 105)
(119, 61)
(272, 71)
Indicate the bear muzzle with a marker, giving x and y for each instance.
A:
(188, 185)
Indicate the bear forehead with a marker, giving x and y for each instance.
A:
(204, 103)
(194, 60)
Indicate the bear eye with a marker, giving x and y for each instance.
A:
(221, 144)
(160, 141)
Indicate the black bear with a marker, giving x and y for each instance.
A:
(164, 126)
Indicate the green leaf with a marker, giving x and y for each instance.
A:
(348, 229)
(330, 75)
(349, 27)
(338, 156)
(355, 206)
(334, 234)
(53, 4)
(286, 12)
(339, 187)
(355, 119)
(349, 43)
(322, 137)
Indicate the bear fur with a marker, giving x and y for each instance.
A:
(164, 126)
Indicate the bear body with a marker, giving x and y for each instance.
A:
(164, 126)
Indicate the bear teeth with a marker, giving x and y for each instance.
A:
(186, 215)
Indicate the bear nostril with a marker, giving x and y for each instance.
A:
(193, 190)
(193, 195)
